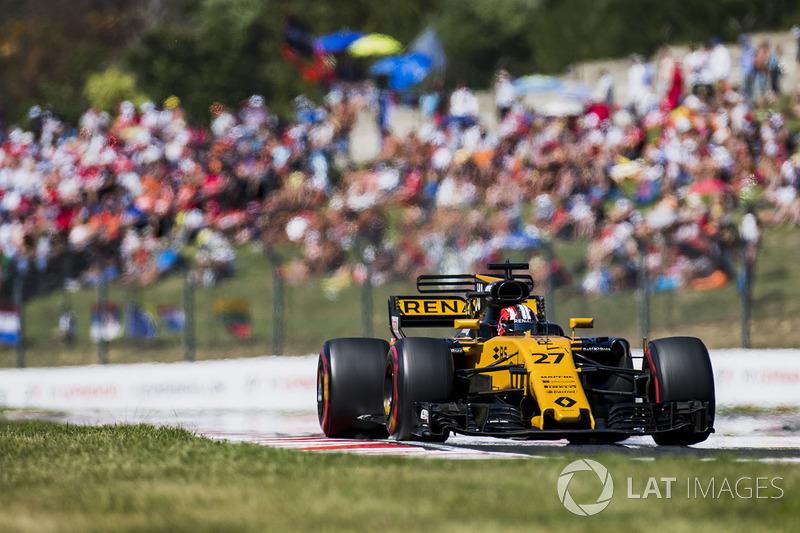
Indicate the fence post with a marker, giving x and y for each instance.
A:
(747, 278)
(277, 310)
(102, 305)
(548, 282)
(18, 303)
(188, 312)
(366, 304)
(644, 294)
(277, 299)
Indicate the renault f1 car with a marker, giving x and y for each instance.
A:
(532, 382)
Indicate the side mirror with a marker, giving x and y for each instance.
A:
(467, 323)
(575, 323)
(581, 323)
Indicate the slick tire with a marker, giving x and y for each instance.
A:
(417, 369)
(349, 385)
(680, 368)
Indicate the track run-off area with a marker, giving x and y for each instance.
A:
(272, 401)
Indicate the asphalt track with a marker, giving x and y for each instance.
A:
(769, 438)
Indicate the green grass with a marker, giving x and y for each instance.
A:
(713, 315)
(757, 410)
(311, 317)
(140, 478)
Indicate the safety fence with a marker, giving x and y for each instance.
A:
(67, 313)
(51, 318)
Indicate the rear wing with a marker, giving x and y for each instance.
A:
(428, 311)
(445, 298)
(446, 284)
(440, 311)
(469, 284)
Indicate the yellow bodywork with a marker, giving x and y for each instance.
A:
(551, 378)
(432, 306)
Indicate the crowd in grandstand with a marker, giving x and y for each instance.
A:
(660, 180)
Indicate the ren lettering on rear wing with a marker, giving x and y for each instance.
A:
(416, 311)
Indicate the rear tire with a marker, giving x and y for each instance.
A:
(681, 371)
(350, 384)
(417, 369)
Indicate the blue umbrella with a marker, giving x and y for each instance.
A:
(403, 71)
(166, 260)
(575, 91)
(336, 42)
(429, 45)
(535, 83)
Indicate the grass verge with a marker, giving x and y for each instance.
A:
(57, 477)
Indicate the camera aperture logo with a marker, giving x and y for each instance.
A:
(576, 467)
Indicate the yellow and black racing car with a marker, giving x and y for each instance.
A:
(508, 372)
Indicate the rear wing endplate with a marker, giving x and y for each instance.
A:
(427, 311)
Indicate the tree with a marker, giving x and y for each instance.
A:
(206, 51)
(482, 36)
(105, 90)
(48, 47)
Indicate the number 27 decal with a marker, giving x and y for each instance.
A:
(547, 358)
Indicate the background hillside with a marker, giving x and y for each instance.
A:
(225, 50)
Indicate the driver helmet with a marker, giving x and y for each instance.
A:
(516, 318)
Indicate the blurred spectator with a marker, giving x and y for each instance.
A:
(796, 34)
(719, 62)
(747, 65)
(761, 73)
(67, 330)
(463, 107)
(638, 84)
(604, 89)
(132, 193)
(386, 107)
(664, 71)
(775, 68)
(503, 93)
(698, 70)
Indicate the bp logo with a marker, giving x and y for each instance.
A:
(585, 465)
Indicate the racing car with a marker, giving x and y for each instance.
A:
(522, 378)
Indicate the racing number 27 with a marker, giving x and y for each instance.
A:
(546, 358)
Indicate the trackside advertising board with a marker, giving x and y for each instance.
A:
(742, 377)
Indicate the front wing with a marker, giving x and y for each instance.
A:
(502, 420)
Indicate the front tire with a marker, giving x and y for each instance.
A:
(680, 370)
(349, 385)
(418, 369)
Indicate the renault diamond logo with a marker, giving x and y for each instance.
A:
(565, 401)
